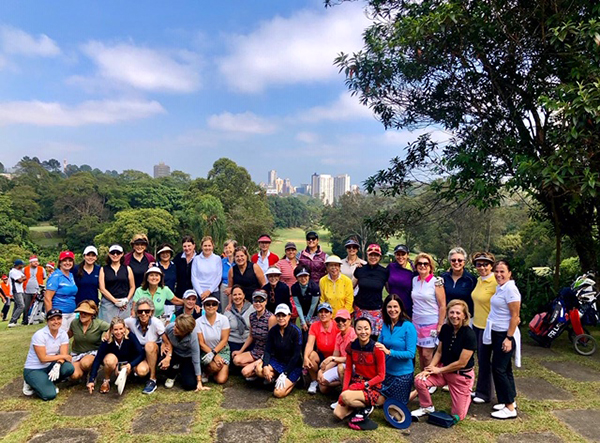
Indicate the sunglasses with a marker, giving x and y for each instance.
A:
(115, 253)
(423, 263)
(145, 311)
(483, 264)
(211, 304)
(258, 301)
(352, 247)
(340, 320)
(457, 260)
(312, 239)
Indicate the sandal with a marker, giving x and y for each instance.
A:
(105, 386)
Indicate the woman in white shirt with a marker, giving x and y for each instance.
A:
(207, 271)
(502, 334)
(213, 335)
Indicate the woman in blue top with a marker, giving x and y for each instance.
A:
(87, 276)
(61, 289)
(398, 341)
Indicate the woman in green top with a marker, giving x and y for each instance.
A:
(86, 332)
(153, 287)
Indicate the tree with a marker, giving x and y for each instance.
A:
(11, 229)
(25, 204)
(515, 83)
(204, 215)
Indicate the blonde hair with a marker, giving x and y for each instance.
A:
(429, 258)
(116, 321)
(465, 308)
(207, 238)
(185, 323)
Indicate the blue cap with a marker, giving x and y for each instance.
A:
(325, 306)
(19, 262)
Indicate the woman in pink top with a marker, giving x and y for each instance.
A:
(287, 265)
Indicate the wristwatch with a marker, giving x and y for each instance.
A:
(367, 385)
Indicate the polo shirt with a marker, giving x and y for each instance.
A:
(89, 340)
(499, 311)
(425, 305)
(325, 338)
(44, 338)
(339, 294)
(371, 281)
(65, 291)
(155, 330)
(348, 269)
(481, 296)
(400, 283)
(139, 268)
(206, 273)
(342, 341)
(170, 275)
(87, 284)
(460, 289)
(453, 345)
(212, 333)
(160, 297)
(265, 263)
(226, 267)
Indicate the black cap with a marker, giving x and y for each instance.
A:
(311, 234)
(402, 248)
(301, 269)
(53, 313)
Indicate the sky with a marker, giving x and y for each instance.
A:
(124, 85)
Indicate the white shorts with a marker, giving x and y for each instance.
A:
(332, 375)
(67, 320)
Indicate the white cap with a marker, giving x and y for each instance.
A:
(115, 248)
(165, 249)
(282, 309)
(273, 270)
(211, 298)
(89, 249)
(333, 259)
(154, 269)
(189, 293)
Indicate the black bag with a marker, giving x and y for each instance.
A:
(441, 418)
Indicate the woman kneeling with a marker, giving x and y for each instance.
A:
(452, 363)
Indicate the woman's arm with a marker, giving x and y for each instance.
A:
(299, 309)
(380, 362)
(314, 302)
(48, 296)
(310, 346)
(440, 295)
(136, 351)
(349, 370)
(462, 361)
(297, 355)
(260, 275)
(131, 283)
(102, 286)
(349, 296)
(203, 346)
(514, 308)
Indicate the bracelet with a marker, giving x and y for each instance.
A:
(509, 337)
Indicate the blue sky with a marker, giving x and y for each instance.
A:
(124, 85)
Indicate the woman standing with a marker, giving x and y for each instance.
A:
(153, 287)
(116, 285)
(458, 282)
(288, 264)
(207, 270)
(138, 260)
(398, 341)
(61, 289)
(165, 263)
(352, 262)
(336, 289)
(362, 381)
(228, 261)
(245, 273)
(277, 291)
(182, 355)
(86, 331)
(183, 265)
(239, 319)
(429, 308)
(313, 257)
(503, 335)
(282, 360)
(252, 351)
(372, 279)
(452, 364)
(87, 276)
(213, 334)
(482, 294)
(48, 359)
(320, 344)
(401, 277)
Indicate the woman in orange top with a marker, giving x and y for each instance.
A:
(6, 297)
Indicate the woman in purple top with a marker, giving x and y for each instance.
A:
(313, 257)
(401, 276)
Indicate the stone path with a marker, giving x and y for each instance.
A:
(165, 419)
(318, 414)
(14, 389)
(530, 437)
(256, 431)
(246, 396)
(68, 435)
(9, 421)
(80, 403)
(540, 389)
(573, 371)
(584, 421)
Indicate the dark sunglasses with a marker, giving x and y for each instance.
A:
(352, 247)
(144, 311)
(115, 253)
(211, 304)
(457, 260)
(259, 301)
(422, 263)
(312, 239)
(483, 264)
(340, 320)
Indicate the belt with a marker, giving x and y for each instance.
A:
(465, 372)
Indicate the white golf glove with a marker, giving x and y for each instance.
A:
(121, 302)
(280, 382)
(54, 372)
(208, 358)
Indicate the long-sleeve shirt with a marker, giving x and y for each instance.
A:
(368, 361)
(130, 351)
(402, 343)
(339, 294)
(306, 301)
(206, 273)
(185, 347)
(286, 348)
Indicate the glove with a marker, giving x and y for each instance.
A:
(280, 382)
(54, 372)
(121, 302)
(208, 358)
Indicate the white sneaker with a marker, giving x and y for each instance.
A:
(169, 383)
(478, 400)
(334, 405)
(312, 389)
(27, 389)
(504, 414)
(432, 389)
(446, 388)
(253, 378)
(121, 380)
(501, 406)
(13, 325)
(204, 379)
(57, 390)
(422, 411)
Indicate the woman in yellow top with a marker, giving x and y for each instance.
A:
(336, 288)
(485, 288)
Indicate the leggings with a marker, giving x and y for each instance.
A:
(41, 384)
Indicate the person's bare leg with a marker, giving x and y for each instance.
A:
(151, 349)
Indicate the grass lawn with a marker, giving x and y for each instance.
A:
(116, 425)
(298, 236)
(45, 235)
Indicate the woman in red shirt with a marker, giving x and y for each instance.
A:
(322, 333)
(362, 386)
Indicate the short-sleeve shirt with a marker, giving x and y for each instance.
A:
(65, 291)
(499, 312)
(212, 333)
(44, 338)
(89, 340)
(13, 276)
(325, 339)
(453, 345)
(481, 296)
(87, 284)
(160, 297)
(342, 341)
(155, 330)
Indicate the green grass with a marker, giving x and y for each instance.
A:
(45, 235)
(298, 236)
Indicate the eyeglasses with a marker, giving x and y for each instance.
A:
(312, 239)
(258, 301)
(340, 320)
(423, 263)
(457, 260)
(145, 311)
(115, 253)
(482, 264)
(211, 304)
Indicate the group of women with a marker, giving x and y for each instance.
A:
(306, 314)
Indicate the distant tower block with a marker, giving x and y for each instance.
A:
(161, 170)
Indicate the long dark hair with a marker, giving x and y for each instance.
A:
(386, 317)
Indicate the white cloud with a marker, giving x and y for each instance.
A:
(90, 112)
(307, 137)
(144, 68)
(298, 49)
(346, 107)
(246, 122)
(16, 41)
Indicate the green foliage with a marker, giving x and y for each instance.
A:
(204, 215)
(290, 212)
(9, 253)
(11, 230)
(25, 203)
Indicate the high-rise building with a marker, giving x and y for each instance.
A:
(341, 185)
(272, 177)
(322, 187)
(161, 170)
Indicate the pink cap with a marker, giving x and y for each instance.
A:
(342, 313)
(374, 248)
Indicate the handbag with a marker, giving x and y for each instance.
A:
(441, 418)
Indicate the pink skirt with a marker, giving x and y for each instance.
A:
(424, 337)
